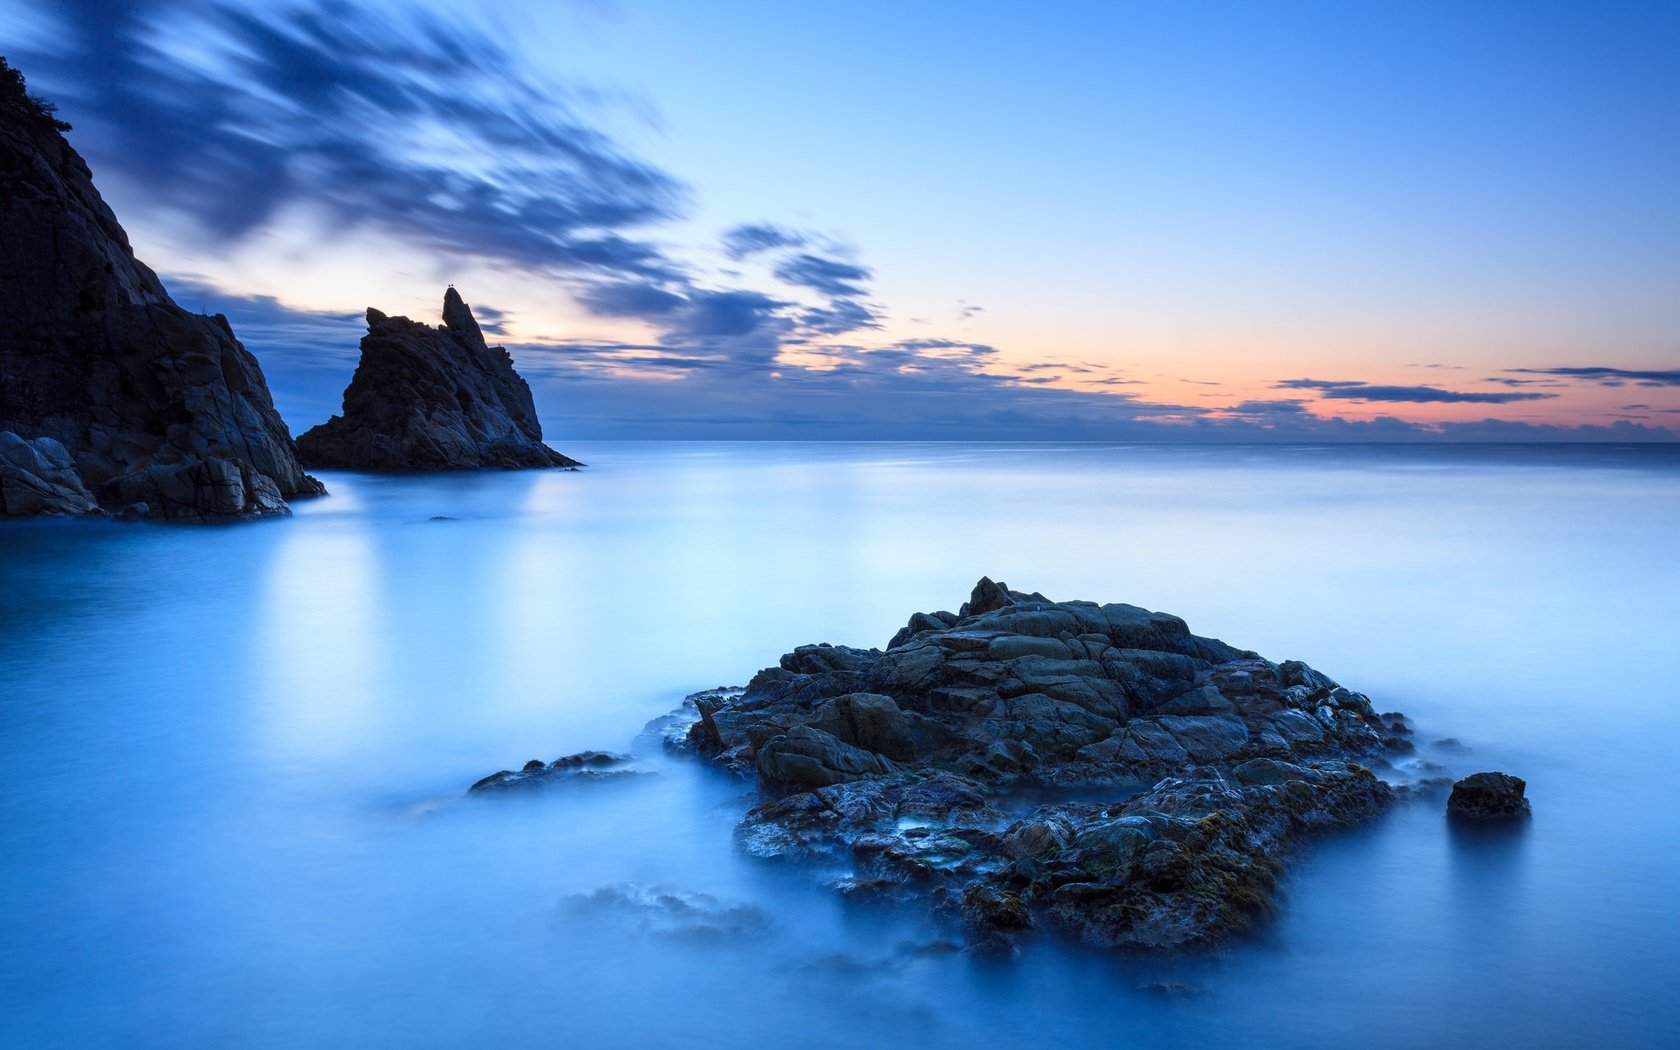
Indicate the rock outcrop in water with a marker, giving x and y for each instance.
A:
(111, 395)
(1024, 763)
(427, 398)
(585, 767)
(1488, 796)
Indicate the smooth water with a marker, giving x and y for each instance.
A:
(232, 759)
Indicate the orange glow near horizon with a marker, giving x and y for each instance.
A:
(1210, 364)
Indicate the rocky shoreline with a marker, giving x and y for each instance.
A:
(1025, 765)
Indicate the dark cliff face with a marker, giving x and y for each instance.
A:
(153, 405)
(427, 398)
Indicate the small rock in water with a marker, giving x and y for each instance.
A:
(1484, 796)
(586, 766)
(665, 911)
(1170, 989)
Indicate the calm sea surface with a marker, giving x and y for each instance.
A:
(232, 759)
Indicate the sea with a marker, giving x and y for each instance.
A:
(233, 760)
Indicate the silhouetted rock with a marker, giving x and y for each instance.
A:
(902, 764)
(1488, 796)
(583, 767)
(149, 403)
(427, 398)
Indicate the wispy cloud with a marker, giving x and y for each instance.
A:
(751, 238)
(433, 132)
(1357, 390)
(830, 277)
(1611, 376)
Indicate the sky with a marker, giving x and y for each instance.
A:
(1062, 221)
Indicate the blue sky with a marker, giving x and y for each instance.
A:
(1080, 220)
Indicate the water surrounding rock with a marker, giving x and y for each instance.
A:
(426, 398)
(1488, 796)
(902, 768)
(149, 404)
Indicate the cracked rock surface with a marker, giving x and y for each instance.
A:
(1024, 764)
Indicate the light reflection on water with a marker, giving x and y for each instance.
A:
(231, 759)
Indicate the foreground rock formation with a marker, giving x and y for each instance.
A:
(1024, 763)
(427, 398)
(111, 395)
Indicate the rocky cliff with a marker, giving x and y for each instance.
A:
(111, 395)
(426, 398)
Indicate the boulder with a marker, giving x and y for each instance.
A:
(1488, 796)
(808, 757)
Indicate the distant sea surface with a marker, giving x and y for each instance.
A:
(232, 758)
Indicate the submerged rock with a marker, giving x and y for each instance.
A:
(902, 764)
(583, 767)
(1488, 796)
(666, 911)
(110, 393)
(426, 398)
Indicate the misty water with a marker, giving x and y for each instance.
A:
(232, 759)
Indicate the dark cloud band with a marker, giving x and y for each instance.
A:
(1357, 390)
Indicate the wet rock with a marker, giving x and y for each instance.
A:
(1171, 989)
(110, 393)
(426, 398)
(994, 919)
(808, 757)
(665, 911)
(583, 767)
(892, 763)
(1488, 796)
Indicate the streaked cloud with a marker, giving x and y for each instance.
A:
(830, 277)
(1611, 376)
(435, 133)
(751, 238)
(1358, 390)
